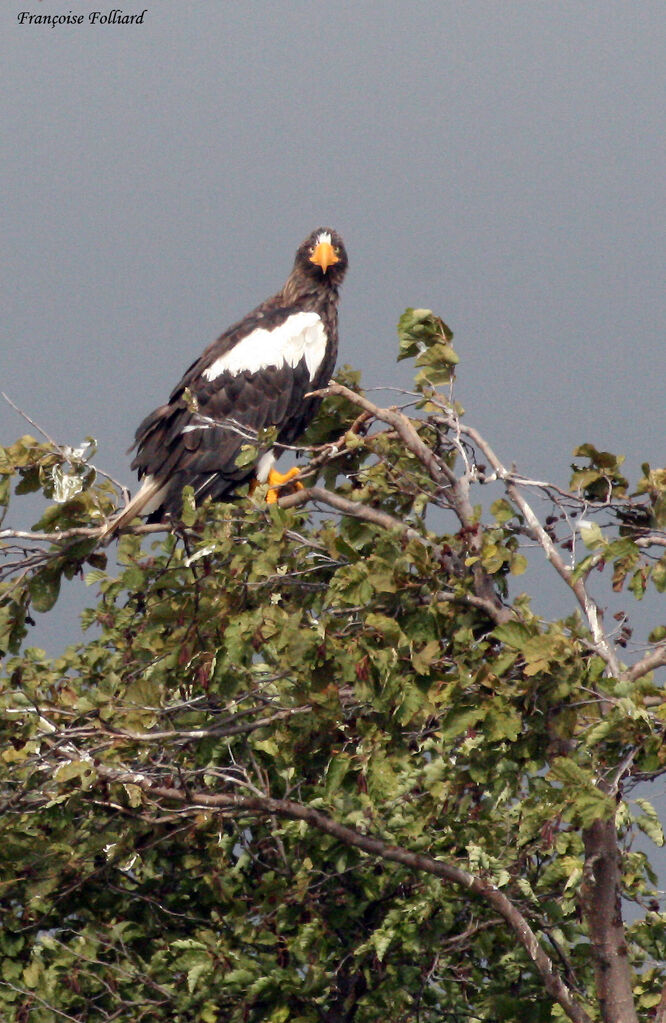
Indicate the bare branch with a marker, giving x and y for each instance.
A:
(78, 532)
(356, 509)
(655, 658)
(656, 539)
(220, 731)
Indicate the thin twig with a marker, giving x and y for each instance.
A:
(27, 418)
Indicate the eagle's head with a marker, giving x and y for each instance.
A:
(322, 257)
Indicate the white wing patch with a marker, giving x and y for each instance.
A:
(301, 336)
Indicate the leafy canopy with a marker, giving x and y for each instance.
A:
(320, 759)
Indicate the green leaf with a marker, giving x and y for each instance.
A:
(197, 972)
(438, 355)
(81, 770)
(189, 509)
(514, 634)
(248, 455)
(659, 574)
(502, 511)
(388, 629)
(591, 535)
(538, 652)
(518, 564)
(418, 330)
(44, 589)
(649, 822)
(423, 659)
(566, 770)
(335, 773)
(5, 490)
(30, 480)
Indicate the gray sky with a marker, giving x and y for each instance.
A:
(501, 163)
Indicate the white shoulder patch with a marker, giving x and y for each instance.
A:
(301, 336)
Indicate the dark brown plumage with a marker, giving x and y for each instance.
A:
(256, 375)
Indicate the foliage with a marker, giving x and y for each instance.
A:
(317, 760)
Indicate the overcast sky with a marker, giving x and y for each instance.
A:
(500, 163)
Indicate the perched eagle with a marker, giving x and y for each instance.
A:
(256, 375)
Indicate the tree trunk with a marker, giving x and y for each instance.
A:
(603, 914)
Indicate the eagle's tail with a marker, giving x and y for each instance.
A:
(146, 500)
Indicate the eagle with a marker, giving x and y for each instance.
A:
(257, 375)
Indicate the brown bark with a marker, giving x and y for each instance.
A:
(603, 914)
(661, 1008)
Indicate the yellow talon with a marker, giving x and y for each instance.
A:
(276, 480)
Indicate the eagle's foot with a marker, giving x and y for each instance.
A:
(276, 481)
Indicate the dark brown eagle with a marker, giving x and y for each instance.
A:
(256, 375)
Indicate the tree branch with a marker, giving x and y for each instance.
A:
(356, 509)
(655, 658)
(372, 846)
(219, 731)
(456, 488)
(602, 645)
(439, 471)
(661, 1008)
(79, 532)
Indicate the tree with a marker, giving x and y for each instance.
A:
(316, 760)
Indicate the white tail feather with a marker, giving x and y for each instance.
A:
(146, 500)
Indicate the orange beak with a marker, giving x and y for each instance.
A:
(324, 256)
